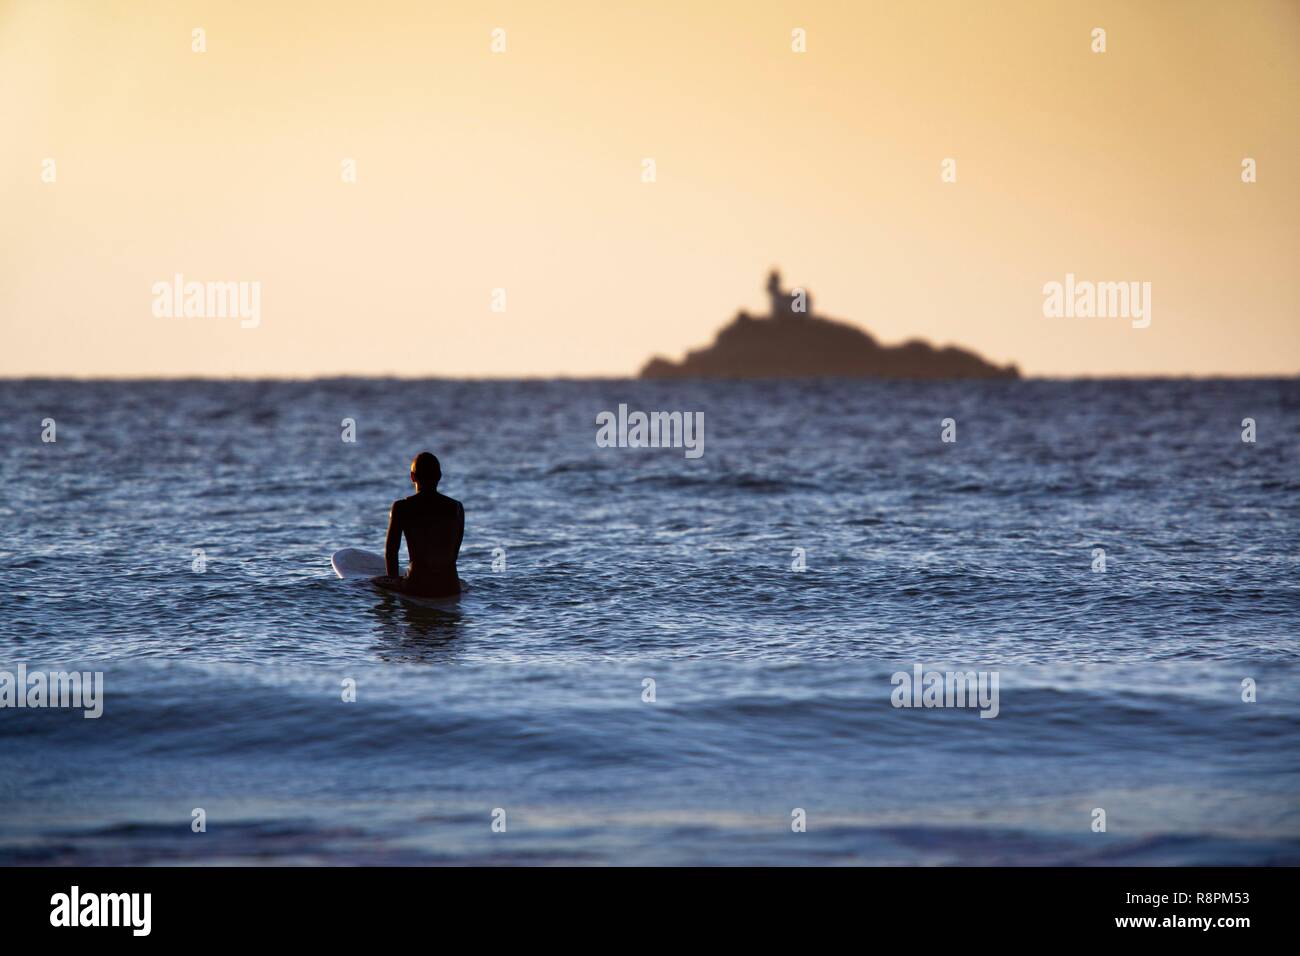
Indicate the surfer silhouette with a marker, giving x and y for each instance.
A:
(434, 526)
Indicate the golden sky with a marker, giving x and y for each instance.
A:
(522, 170)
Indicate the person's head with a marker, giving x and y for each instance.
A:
(425, 470)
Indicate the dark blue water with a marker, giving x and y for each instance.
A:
(1119, 690)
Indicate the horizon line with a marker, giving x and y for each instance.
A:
(567, 377)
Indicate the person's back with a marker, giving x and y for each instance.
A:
(434, 526)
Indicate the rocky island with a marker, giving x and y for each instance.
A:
(793, 342)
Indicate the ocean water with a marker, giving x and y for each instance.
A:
(1118, 690)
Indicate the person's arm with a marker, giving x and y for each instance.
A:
(460, 529)
(393, 542)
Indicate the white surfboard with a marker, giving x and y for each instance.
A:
(354, 564)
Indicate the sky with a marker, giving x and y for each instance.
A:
(129, 158)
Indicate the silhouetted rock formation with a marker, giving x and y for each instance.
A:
(794, 343)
